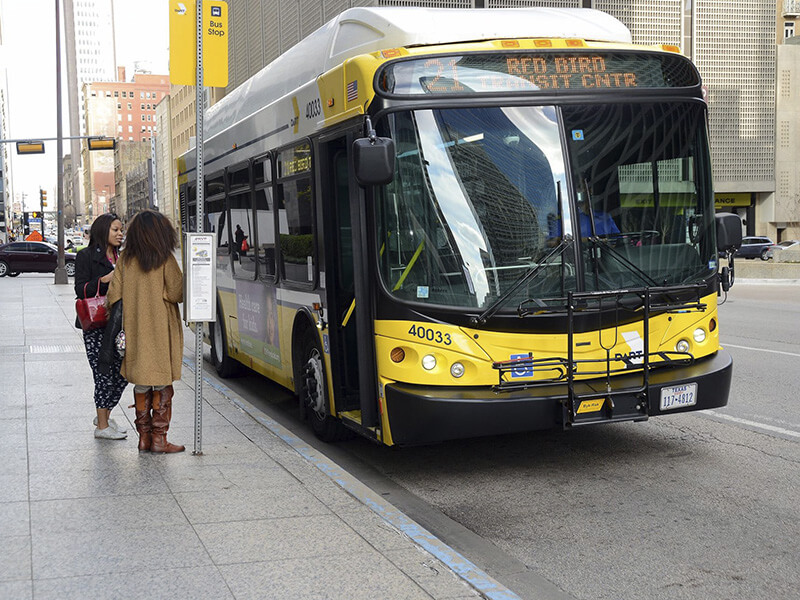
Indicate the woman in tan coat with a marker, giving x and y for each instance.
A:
(148, 280)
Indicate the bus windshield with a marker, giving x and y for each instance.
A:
(483, 195)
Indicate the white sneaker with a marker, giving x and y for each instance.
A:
(109, 433)
(113, 424)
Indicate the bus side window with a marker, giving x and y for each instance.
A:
(240, 211)
(265, 220)
(188, 199)
(216, 218)
(296, 221)
(265, 224)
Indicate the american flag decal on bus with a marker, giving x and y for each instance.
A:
(352, 91)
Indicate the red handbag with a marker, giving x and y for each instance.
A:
(92, 311)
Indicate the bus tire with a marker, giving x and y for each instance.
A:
(312, 391)
(223, 363)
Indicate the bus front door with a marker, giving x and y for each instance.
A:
(352, 361)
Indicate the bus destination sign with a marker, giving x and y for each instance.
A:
(559, 72)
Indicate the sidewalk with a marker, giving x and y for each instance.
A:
(258, 515)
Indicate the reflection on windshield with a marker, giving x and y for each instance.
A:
(467, 213)
(641, 176)
(481, 195)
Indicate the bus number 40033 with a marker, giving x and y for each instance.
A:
(431, 335)
(313, 108)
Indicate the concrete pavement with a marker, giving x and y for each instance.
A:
(257, 515)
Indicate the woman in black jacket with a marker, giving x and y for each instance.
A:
(94, 268)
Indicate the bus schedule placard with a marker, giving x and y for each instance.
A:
(199, 278)
(487, 73)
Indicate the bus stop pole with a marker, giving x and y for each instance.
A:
(198, 325)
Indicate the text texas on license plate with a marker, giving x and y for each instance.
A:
(678, 396)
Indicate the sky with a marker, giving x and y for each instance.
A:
(29, 54)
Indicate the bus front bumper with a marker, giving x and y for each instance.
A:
(425, 414)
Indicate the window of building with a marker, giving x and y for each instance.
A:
(141, 95)
(119, 128)
(116, 94)
(130, 128)
(130, 118)
(142, 117)
(141, 107)
(130, 107)
(788, 29)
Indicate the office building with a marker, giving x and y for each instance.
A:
(124, 110)
(733, 43)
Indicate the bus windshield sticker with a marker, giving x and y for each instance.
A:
(532, 71)
(423, 291)
(577, 135)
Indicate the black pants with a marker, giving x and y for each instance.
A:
(108, 385)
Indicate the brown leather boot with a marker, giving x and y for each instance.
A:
(162, 415)
(144, 420)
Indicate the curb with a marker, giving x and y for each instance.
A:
(456, 562)
(766, 281)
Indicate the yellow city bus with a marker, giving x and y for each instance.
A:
(434, 224)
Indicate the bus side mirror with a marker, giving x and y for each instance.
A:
(729, 231)
(373, 160)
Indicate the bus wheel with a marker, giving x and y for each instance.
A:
(224, 364)
(313, 392)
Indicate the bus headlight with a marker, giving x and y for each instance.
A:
(699, 335)
(682, 346)
(456, 369)
(428, 362)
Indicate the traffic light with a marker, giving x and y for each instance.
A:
(101, 143)
(30, 147)
(43, 196)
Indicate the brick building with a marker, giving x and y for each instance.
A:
(122, 109)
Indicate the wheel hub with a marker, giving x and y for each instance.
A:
(315, 395)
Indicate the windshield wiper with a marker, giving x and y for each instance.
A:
(529, 275)
(624, 261)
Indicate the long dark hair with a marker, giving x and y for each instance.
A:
(151, 240)
(98, 234)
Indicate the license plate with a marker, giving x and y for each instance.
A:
(678, 396)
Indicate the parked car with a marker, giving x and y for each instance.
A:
(755, 247)
(785, 245)
(32, 257)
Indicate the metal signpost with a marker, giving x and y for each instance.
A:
(211, 27)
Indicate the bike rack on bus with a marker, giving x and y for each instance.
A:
(626, 399)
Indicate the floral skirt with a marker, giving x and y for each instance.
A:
(108, 385)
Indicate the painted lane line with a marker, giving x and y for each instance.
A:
(760, 349)
(754, 424)
(455, 561)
